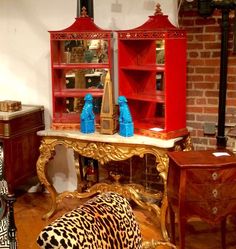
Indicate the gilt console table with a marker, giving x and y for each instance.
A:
(105, 148)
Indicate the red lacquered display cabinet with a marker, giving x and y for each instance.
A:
(152, 76)
(80, 58)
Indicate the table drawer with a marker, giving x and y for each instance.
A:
(211, 211)
(215, 175)
(197, 192)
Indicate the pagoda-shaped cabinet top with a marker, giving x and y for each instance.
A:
(152, 76)
(80, 58)
(82, 28)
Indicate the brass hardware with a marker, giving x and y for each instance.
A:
(214, 210)
(214, 176)
(215, 192)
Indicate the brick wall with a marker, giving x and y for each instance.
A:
(203, 73)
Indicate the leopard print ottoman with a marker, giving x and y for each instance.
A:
(104, 222)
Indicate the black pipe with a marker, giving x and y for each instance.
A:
(78, 8)
(221, 138)
(205, 8)
(88, 4)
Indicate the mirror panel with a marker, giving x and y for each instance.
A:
(160, 51)
(85, 51)
(84, 79)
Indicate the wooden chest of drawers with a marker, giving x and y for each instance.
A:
(202, 184)
(19, 144)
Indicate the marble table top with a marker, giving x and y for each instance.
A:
(115, 138)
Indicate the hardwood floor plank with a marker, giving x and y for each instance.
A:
(29, 209)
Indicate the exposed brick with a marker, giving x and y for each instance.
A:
(201, 101)
(190, 38)
(232, 70)
(194, 125)
(212, 142)
(190, 70)
(204, 85)
(202, 141)
(212, 45)
(193, 134)
(191, 13)
(213, 29)
(212, 101)
(212, 62)
(195, 62)
(211, 93)
(231, 83)
(205, 37)
(188, 22)
(205, 21)
(212, 78)
(210, 109)
(195, 93)
(196, 77)
(206, 118)
(195, 109)
(193, 46)
(203, 74)
(232, 95)
(193, 54)
(215, 54)
(232, 60)
(207, 70)
(205, 54)
(200, 133)
(231, 102)
(194, 29)
(190, 101)
(190, 116)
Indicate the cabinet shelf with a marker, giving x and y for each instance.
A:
(76, 93)
(160, 68)
(158, 98)
(79, 66)
(152, 125)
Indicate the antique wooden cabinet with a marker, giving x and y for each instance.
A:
(201, 184)
(80, 58)
(19, 143)
(152, 76)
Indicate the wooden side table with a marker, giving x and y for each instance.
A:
(19, 144)
(201, 184)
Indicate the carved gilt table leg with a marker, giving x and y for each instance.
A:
(47, 152)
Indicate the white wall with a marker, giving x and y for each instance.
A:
(25, 55)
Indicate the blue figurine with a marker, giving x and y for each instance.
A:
(87, 117)
(126, 124)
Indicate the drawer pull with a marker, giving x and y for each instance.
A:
(215, 192)
(214, 176)
(214, 210)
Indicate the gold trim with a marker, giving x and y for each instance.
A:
(105, 152)
(6, 130)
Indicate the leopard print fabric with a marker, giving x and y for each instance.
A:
(104, 222)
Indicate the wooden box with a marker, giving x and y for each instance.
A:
(10, 106)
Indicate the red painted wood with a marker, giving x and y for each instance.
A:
(137, 77)
(83, 29)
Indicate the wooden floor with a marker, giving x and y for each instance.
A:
(29, 209)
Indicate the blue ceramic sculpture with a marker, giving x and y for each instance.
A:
(87, 117)
(125, 120)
